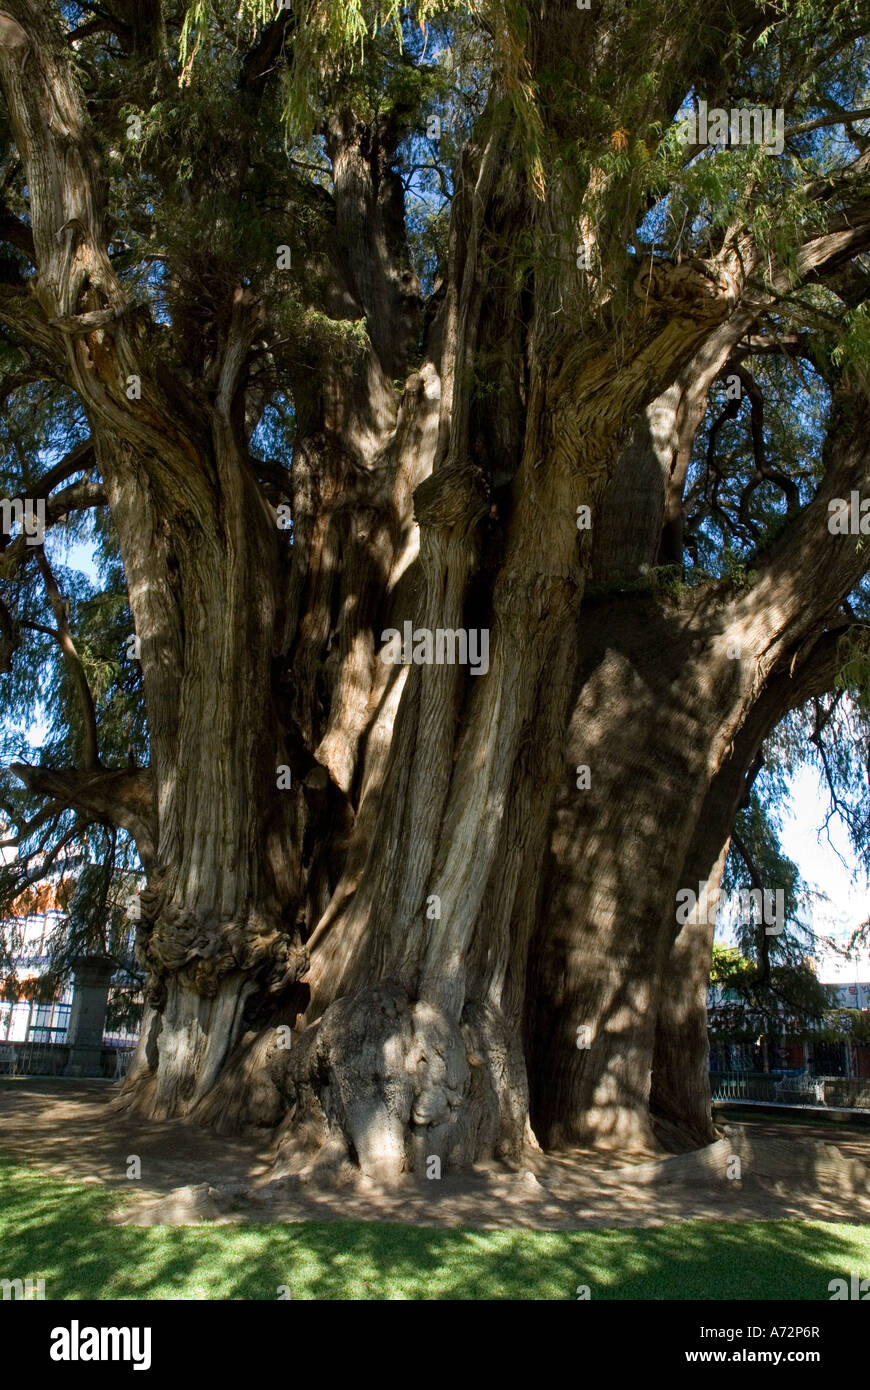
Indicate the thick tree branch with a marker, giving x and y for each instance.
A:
(42, 628)
(840, 118)
(795, 345)
(78, 459)
(81, 496)
(76, 285)
(848, 235)
(124, 798)
(86, 31)
(78, 497)
(20, 311)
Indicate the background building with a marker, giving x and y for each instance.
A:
(38, 1022)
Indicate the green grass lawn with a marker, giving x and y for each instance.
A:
(58, 1230)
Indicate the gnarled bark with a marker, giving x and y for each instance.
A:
(381, 908)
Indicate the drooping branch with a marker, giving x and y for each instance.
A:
(751, 867)
(49, 812)
(822, 718)
(74, 662)
(761, 978)
(764, 471)
(124, 797)
(49, 857)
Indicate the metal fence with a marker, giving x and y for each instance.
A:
(849, 1091)
(34, 1058)
(791, 1088)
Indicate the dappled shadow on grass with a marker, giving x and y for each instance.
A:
(60, 1231)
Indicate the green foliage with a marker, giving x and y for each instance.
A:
(331, 41)
(853, 349)
(62, 1231)
(736, 571)
(41, 692)
(735, 511)
(669, 579)
(730, 970)
(854, 673)
(765, 976)
(844, 1025)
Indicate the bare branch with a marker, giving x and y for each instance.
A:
(79, 458)
(841, 118)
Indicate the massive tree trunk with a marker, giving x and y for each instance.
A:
(675, 696)
(219, 913)
(652, 715)
(411, 1014)
(381, 904)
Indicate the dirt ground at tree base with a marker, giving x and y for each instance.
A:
(806, 1171)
